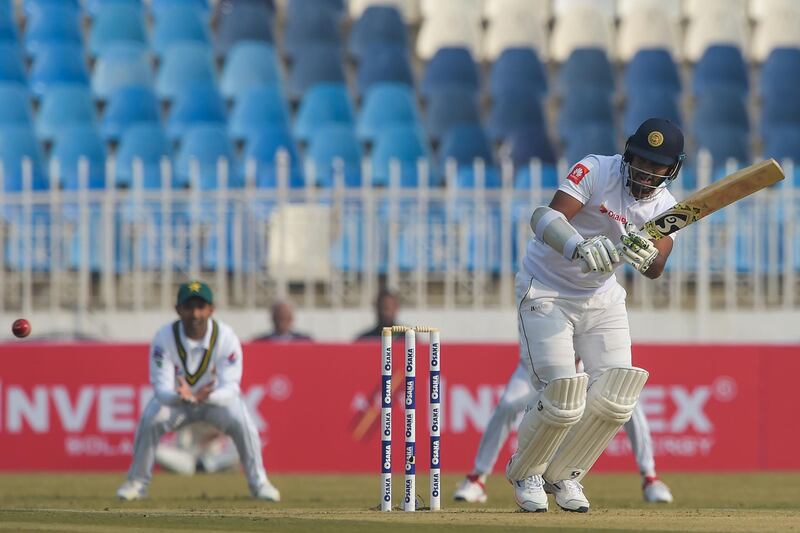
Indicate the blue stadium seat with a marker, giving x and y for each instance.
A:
(249, 64)
(597, 138)
(34, 7)
(8, 28)
(779, 109)
(379, 25)
(206, 144)
(384, 64)
(316, 26)
(512, 109)
(260, 107)
(76, 141)
(406, 144)
(724, 142)
(93, 7)
(448, 106)
(315, 64)
(243, 21)
(147, 142)
(333, 142)
(648, 103)
(129, 106)
(178, 25)
(200, 104)
(464, 143)
(263, 148)
(386, 104)
(720, 107)
(450, 66)
(58, 64)
(586, 67)
(63, 106)
(652, 68)
(121, 64)
(160, 6)
(15, 105)
(182, 65)
(583, 106)
(300, 8)
(114, 22)
(324, 103)
(11, 67)
(720, 66)
(529, 143)
(781, 72)
(16, 144)
(783, 142)
(518, 68)
(56, 24)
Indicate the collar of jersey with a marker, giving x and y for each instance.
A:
(191, 379)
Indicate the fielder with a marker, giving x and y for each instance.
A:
(570, 301)
(518, 394)
(195, 371)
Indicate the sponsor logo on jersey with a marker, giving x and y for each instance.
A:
(577, 173)
(612, 215)
(232, 358)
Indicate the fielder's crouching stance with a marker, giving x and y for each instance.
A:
(570, 300)
(195, 371)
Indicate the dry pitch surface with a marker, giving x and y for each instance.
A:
(85, 502)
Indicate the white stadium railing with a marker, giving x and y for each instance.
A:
(439, 246)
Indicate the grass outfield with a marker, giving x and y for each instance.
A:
(86, 502)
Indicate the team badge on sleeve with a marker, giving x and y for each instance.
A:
(232, 358)
(158, 355)
(577, 173)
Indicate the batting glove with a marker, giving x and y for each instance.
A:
(636, 249)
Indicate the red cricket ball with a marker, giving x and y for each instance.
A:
(21, 328)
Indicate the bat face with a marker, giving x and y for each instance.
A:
(719, 194)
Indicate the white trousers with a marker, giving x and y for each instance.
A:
(518, 394)
(552, 328)
(232, 419)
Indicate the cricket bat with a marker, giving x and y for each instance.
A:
(719, 194)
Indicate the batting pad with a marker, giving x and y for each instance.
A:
(609, 405)
(545, 425)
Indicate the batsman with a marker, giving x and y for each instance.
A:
(570, 301)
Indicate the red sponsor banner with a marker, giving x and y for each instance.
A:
(317, 406)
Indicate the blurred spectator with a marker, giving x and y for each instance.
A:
(386, 307)
(282, 321)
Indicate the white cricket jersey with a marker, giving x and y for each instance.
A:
(596, 181)
(217, 357)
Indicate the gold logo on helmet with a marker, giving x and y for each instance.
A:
(195, 286)
(655, 139)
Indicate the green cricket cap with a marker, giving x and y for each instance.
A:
(192, 289)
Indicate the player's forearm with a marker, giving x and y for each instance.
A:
(223, 395)
(166, 396)
(552, 227)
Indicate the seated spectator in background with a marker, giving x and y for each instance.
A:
(282, 321)
(386, 307)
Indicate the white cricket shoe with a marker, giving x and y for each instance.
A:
(530, 495)
(471, 490)
(268, 492)
(132, 490)
(656, 491)
(569, 495)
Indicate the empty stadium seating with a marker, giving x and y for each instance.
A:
(419, 82)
